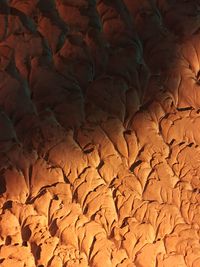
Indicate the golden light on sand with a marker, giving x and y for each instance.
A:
(99, 133)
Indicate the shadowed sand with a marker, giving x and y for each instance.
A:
(99, 133)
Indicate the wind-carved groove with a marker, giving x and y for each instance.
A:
(185, 109)
(92, 248)
(134, 165)
(30, 173)
(88, 149)
(101, 163)
(172, 142)
(128, 132)
(65, 177)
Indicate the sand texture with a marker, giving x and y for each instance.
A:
(99, 133)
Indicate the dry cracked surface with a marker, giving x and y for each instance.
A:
(99, 133)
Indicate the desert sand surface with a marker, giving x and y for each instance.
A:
(99, 133)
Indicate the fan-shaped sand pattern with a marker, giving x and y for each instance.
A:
(99, 133)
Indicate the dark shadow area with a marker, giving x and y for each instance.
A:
(115, 60)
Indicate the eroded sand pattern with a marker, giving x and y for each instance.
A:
(99, 133)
